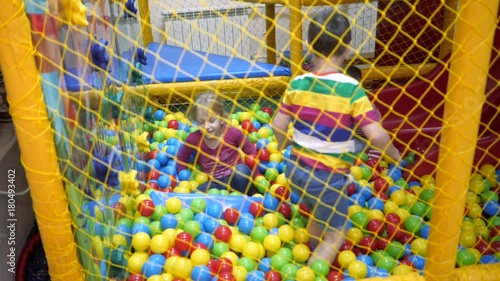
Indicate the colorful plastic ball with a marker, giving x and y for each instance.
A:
(154, 265)
(395, 249)
(201, 273)
(413, 224)
(200, 257)
(357, 269)
(320, 267)
(141, 241)
(465, 257)
(272, 243)
(264, 265)
(146, 208)
(301, 253)
(193, 227)
(223, 233)
(155, 228)
(354, 234)
(258, 233)
(278, 261)
(183, 241)
(255, 275)
(159, 244)
(270, 220)
(174, 205)
(375, 203)
(491, 208)
(360, 220)
(215, 210)
(220, 248)
(288, 271)
(253, 250)
(286, 233)
(136, 261)
(399, 197)
(231, 215)
(206, 239)
(402, 269)
(419, 247)
(387, 263)
(419, 261)
(301, 235)
(247, 263)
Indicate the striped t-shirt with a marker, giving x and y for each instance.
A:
(326, 109)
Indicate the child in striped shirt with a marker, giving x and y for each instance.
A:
(325, 107)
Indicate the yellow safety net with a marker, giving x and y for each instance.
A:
(259, 139)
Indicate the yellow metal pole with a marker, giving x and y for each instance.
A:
(36, 142)
(146, 29)
(475, 27)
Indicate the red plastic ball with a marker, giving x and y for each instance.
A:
(346, 245)
(335, 276)
(247, 125)
(231, 215)
(173, 124)
(264, 155)
(250, 160)
(146, 208)
(282, 193)
(367, 244)
(225, 265)
(183, 241)
(223, 233)
(376, 226)
(226, 276)
(136, 277)
(153, 175)
(304, 210)
(173, 251)
(272, 275)
(153, 185)
(268, 110)
(120, 210)
(351, 189)
(381, 185)
(285, 210)
(256, 209)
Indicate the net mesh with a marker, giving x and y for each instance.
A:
(120, 82)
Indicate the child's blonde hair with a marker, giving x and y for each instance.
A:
(210, 101)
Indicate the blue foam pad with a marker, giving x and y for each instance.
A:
(167, 64)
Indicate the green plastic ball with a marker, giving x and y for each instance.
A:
(360, 220)
(465, 257)
(395, 249)
(259, 233)
(192, 227)
(320, 267)
(198, 205)
(219, 248)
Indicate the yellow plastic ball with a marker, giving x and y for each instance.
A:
(200, 257)
(357, 172)
(427, 179)
(375, 214)
(357, 269)
(272, 243)
(253, 251)
(182, 268)
(141, 241)
(272, 147)
(136, 261)
(282, 180)
(482, 230)
(169, 264)
(159, 244)
(301, 253)
(169, 117)
(167, 277)
(305, 273)
(399, 197)
(402, 269)
(476, 254)
(174, 205)
(154, 278)
(170, 234)
(276, 157)
(411, 199)
(390, 207)
(476, 186)
(475, 210)
(182, 190)
(301, 235)
(236, 242)
(240, 273)
(97, 247)
(468, 225)
(141, 198)
(201, 178)
(468, 238)
(245, 115)
(264, 132)
(270, 220)
(179, 115)
(194, 185)
(185, 184)
(345, 258)
(232, 256)
(402, 213)
(286, 233)
(119, 240)
(419, 247)
(354, 234)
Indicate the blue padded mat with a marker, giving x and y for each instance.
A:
(167, 64)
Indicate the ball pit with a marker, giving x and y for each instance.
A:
(171, 231)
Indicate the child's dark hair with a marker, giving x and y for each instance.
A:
(329, 32)
(354, 72)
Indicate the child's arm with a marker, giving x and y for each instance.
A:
(280, 126)
(184, 155)
(380, 139)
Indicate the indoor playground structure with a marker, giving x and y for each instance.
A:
(100, 92)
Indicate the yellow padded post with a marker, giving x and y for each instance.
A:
(36, 142)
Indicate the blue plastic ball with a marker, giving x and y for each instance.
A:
(184, 175)
(365, 259)
(375, 203)
(159, 114)
(246, 225)
(491, 208)
(264, 265)
(255, 275)
(206, 239)
(210, 224)
(140, 227)
(164, 182)
(214, 209)
(201, 273)
(168, 221)
(270, 203)
(162, 157)
(153, 163)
